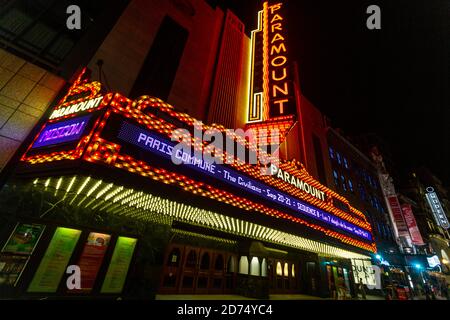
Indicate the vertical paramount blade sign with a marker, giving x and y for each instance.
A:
(272, 95)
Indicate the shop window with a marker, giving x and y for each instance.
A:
(279, 269)
(254, 267)
(231, 265)
(170, 280)
(243, 265)
(174, 258)
(219, 263)
(286, 269)
(202, 282)
(204, 265)
(264, 268)
(217, 283)
(188, 282)
(293, 271)
(191, 261)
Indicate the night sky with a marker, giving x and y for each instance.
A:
(394, 82)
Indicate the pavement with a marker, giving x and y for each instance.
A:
(237, 297)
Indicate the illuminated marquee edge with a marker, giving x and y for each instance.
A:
(115, 199)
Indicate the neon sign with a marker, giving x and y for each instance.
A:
(95, 146)
(298, 183)
(164, 148)
(436, 208)
(271, 93)
(279, 85)
(62, 132)
(76, 108)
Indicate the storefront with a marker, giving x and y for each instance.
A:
(99, 186)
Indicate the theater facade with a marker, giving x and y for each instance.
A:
(104, 188)
(100, 191)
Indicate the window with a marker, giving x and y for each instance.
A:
(336, 177)
(174, 258)
(254, 267)
(264, 268)
(37, 30)
(331, 152)
(319, 158)
(243, 265)
(362, 192)
(191, 260)
(338, 157)
(160, 67)
(344, 185)
(231, 266)
(204, 265)
(279, 269)
(346, 163)
(219, 263)
(350, 185)
(286, 269)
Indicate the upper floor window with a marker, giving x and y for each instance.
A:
(344, 185)
(338, 157)
(362, 192)
(37, 29)
(350, 185)
(336, 177)
(331, 152)
(346, 163)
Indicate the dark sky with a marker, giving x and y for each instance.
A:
(393, 82)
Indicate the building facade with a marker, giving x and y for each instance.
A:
(95, 184)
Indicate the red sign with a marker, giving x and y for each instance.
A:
(91, 259)
(398, 216)
(416, 237)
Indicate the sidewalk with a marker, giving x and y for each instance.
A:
(237, 297)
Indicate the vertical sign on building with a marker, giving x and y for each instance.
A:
(271, 89)
(398, 217)
(411, 223)
(436, 208)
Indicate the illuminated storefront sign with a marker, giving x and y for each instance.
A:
(365, 271)
(76, 108)
(436, 208)
(62, 132)
(165, 148)
(433, 261)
